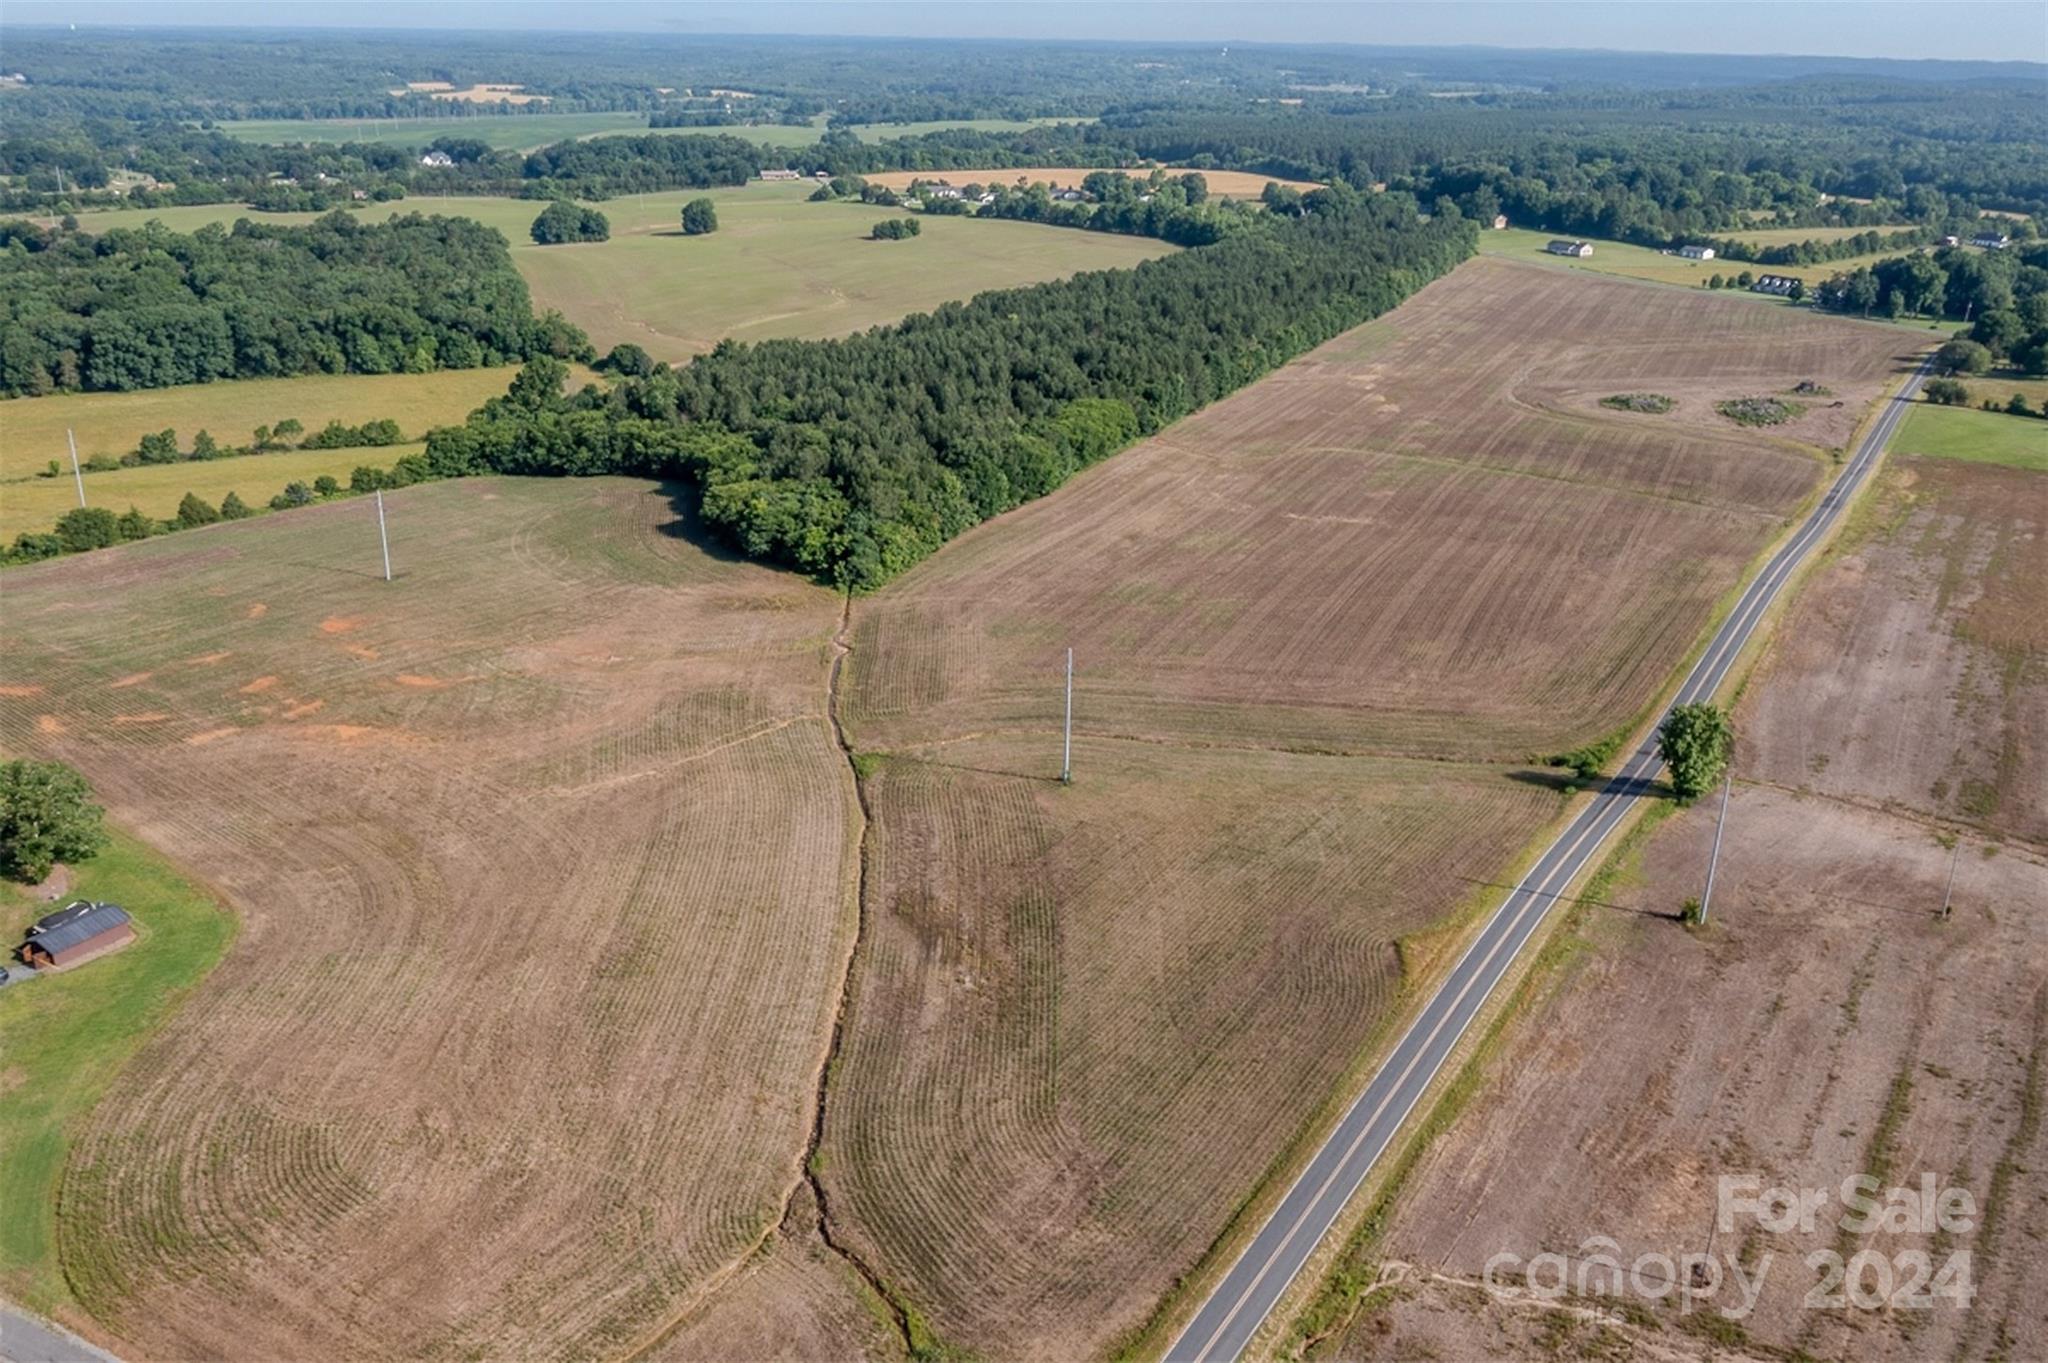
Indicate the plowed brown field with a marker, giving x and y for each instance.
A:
(1425, 537)
(544, 853)
(1087, 1019)
(1833, 1023)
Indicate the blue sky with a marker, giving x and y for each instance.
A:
(1986, 29)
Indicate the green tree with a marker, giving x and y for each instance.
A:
(287, 429)
(325, 485)
(1947, 393)
(233, 508)
(699, 217)
(1963, 357)
(1797, 293)
(204, 446)
(193, 510)
(2017, 405)
(159, 448)
(1694, 741)
(133, 525)
(88, 527)
(47, 815)
(366, 478)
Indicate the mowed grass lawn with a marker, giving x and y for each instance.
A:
(778, 266)
(65, 1036)
(156, 489)
(1641, 262)
(32, 429)
(1978, 436)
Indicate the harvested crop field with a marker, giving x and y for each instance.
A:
(1089, 1017)
(1924, 650)
(1827, 1024)
(1238, 184)
(1832, 1023)
(1319, 627)
(545, 910)
(1426, 537)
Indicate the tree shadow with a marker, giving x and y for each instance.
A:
(686, 501)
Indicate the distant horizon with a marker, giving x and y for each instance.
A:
(1982, 31)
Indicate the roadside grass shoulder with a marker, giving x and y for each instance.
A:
(64, 1037)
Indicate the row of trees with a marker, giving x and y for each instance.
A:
(149, 307)
(855, 458)
(85, 528)
(2004, 295)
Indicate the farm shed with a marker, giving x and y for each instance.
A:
(1570, 248)
(76, 933)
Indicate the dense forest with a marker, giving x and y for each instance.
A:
(855, 458)
(148, 307)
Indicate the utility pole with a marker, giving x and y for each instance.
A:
(1954, 854)
(382, 538)
(1713, 862)
(76, 475)
(1067, 753)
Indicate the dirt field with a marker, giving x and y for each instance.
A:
(1238, 184)
(1829, 1024)
(1426, 537)
(1085, 1020)
(1940, 702)
(1089, 1017)
(544, 910)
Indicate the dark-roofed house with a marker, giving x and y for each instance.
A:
(75, 933)
(1570, 248)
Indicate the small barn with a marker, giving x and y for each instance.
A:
(78, 932)
(1697, 252)
(1561, 247)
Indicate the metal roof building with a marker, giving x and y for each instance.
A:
(77, 933)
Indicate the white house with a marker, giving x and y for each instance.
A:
(437, 159)
(1991, 241)
(1570, 248)
(1697, 252)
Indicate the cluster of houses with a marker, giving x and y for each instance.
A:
(76, 933)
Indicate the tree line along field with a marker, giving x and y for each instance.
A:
(522, 999)
(1238, 184)
(32, 430)
(1888, 758)
(33, 505)
(1318, 628)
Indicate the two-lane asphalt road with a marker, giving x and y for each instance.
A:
(1241, 1302)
